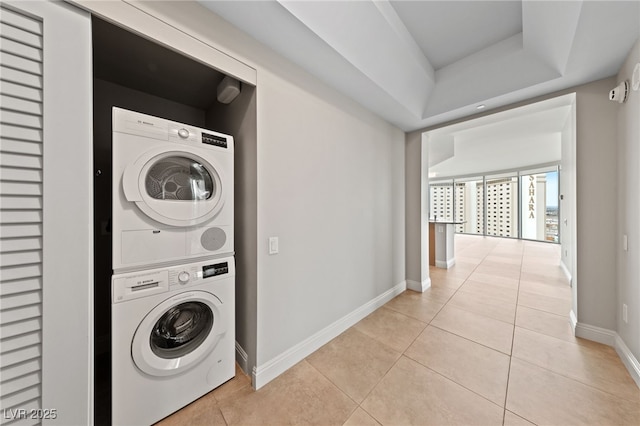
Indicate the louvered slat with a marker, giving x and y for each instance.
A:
(19, 132)
(18, 314)
(20, 258)
(21, 91)
(21, 182)
(11, 60)
(20, 342)
(16, 329)
(20, 77)
(19, 286)
(21, 383)
(20, 216)
(16, 231)
(17, 160)
(20, 147)
(21, 369)
(20, 299)
(20, 244)
(21, 119)
(22, 50)
(17, 202)
(14, 357)
(13, 103)
(19, 398)
(19, 35)
(20, 188)
(18, 20)
(25, 175)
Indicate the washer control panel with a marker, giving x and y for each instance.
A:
(138, 284)
(134, 285)
(194, 273)
(215, 269)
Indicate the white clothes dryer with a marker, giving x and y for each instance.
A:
(172, 192)
(173, 338)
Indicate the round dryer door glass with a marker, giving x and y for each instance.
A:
(181, 330)
(179, 178)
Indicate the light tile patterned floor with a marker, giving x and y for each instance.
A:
(489, 344)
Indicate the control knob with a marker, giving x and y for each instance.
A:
(183, 133)
(183, 277)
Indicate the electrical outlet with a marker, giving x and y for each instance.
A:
(625, 316)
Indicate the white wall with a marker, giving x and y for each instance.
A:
(417, 211)
(330, 185)
(628, 266)
(596, 162)
(568, 200)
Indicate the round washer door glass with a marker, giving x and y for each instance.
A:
(178, 333)
(181, 330)
(179, 178)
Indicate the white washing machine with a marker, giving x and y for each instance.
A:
(173, 338)
(172, 192)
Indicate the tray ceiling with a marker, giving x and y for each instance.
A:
(421, 63)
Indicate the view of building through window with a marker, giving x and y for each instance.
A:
(516, 205)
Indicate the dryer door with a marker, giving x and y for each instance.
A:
(177, 188)
(178, 333)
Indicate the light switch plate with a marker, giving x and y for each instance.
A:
(273, 245)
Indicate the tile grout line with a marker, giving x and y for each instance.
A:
(513, 336)
(573, 379)
(359, 405)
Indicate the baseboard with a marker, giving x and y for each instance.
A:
(419, 287)
(268, 371)
(445, 264)
(573, 319)
(242, 358)
(566, 273)
(628, 359)
(596, 334)
(610, 338)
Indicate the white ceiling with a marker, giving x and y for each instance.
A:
(420, 63)
(514, 139)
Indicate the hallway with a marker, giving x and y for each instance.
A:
(488, 344)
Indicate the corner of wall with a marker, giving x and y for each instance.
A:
(263, 374)
(419, 287)
(609, 338)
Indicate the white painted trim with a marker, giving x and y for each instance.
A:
(445, 264)
(596, 334)
(242, 358)
(566, 272)
(609, 338)
(138, 18)
(573, 319)
(419, 287)
(268, 371)
(629, 360)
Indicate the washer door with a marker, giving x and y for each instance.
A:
(177, 188)
(178, 333)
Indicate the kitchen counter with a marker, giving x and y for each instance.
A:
(441, 243)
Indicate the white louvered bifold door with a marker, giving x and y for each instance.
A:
(21, 161)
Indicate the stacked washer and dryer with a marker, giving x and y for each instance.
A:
(173, 284)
